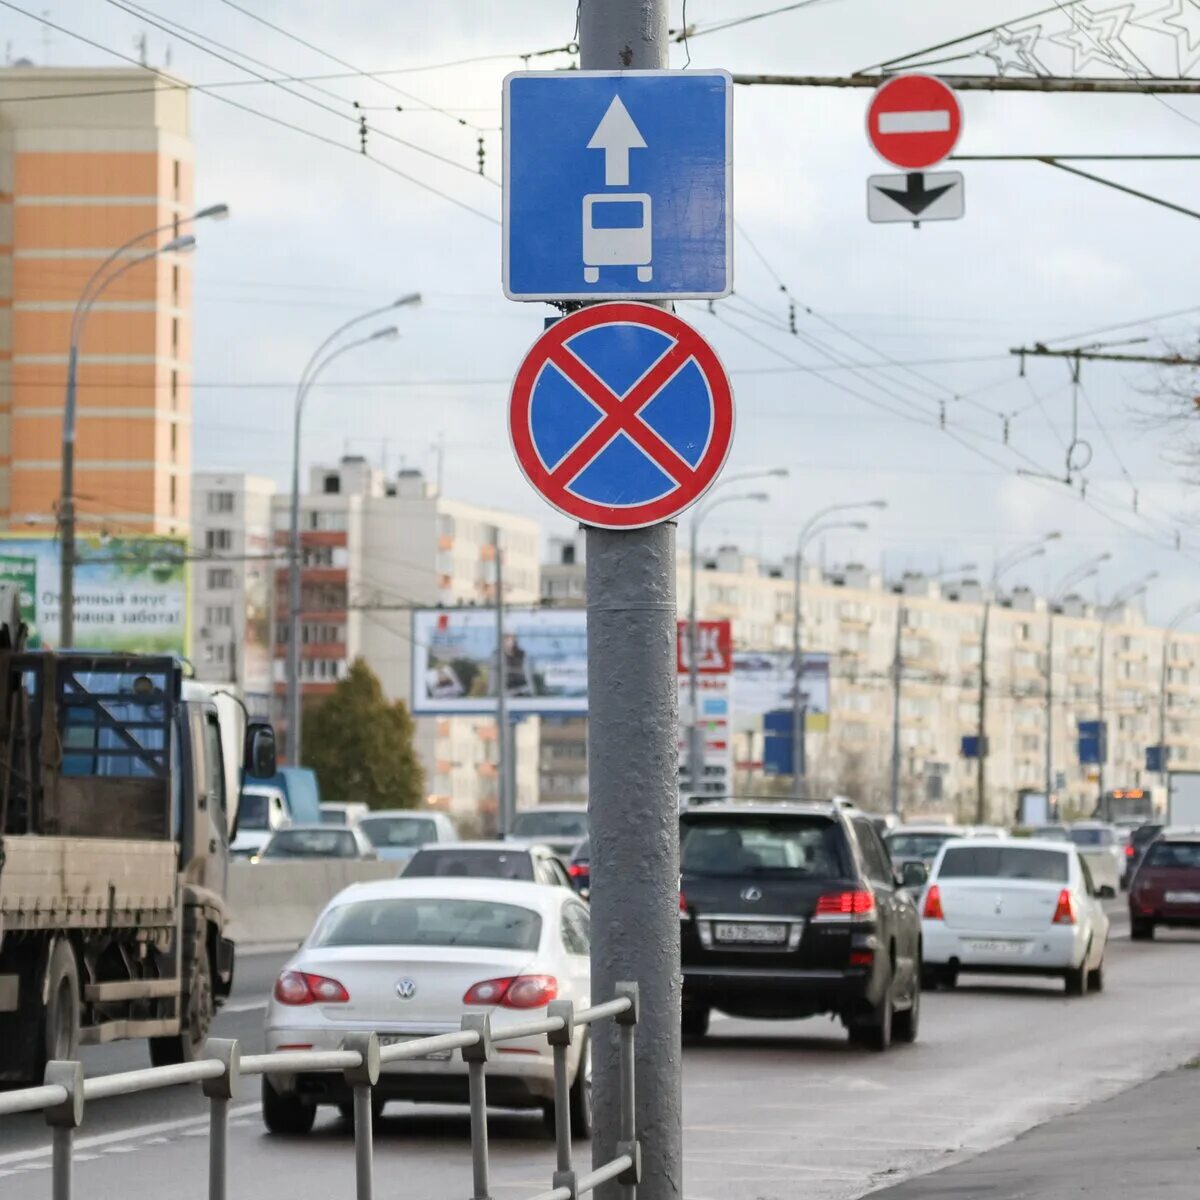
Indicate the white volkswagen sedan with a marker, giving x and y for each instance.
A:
(406, 959)
(1013, 908)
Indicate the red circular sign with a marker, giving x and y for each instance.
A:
(914, 121)
(621, 415)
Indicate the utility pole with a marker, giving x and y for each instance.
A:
(504, 803)
(981, 724)
(633, 757)
(897, 667)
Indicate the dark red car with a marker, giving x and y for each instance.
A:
(1166, 888)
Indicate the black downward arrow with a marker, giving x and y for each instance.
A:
(915, 198)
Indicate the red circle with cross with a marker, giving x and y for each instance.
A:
(670, 379)
(914, 121)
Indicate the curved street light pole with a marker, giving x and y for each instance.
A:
(92, 291)
(311, 372)
(1007, 562)
(695, 739)
(1178, 619)
(799, 710)
(1077, 574)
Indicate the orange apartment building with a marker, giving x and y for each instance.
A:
(90, 158)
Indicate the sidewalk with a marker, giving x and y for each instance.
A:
(1144, 1142)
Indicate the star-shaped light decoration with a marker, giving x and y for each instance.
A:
(1180, 21)
(1095, 37)
(1012, 50)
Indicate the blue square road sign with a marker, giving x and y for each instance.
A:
(618, 185)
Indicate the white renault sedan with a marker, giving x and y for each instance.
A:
(405, 959)
(1013, 908)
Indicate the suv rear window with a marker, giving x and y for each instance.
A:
(1004, 862)
(785, 847)
(470, 864)
(1177, 855)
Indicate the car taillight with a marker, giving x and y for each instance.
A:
(933, 904)
(835, 906)
(683, 908)
(1064, 910)
(516, 991)
(298, 987)
(575, 870)
(1129, 851)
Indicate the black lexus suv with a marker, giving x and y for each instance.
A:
(790, 910)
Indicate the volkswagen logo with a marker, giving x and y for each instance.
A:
(406, 989)
(751, 894)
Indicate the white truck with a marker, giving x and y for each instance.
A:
(119, 784)
(1183, 798)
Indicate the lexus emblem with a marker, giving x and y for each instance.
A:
(751, 894)
(406, 989)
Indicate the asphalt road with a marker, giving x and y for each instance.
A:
(770, 1110)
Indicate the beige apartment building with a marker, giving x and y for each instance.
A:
(372, 549)
(1114, 670)
(89, 159)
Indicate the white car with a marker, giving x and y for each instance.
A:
(1013, 908)
(398, 833)
(406, 959)
(1102, 849)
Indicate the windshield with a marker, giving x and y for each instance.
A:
(333, 816)
(430, 922)
(1174, 856)
(1004, 862)
(311, 843)
(1145, 833)
(398, 831)
(1091, 837)
(472, 864)
(799, 847)
(253, 810)
(1051, 833)
(918, 845)
(536, 825)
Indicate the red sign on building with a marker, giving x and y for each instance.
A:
(714, 648)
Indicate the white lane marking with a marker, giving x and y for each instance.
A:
(119, 1149)
(935, 120)
(247, 1006)
(126, 1135)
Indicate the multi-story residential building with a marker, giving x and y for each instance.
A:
(1120, 670)
(106, 156)
(232, 579)
(372, 550)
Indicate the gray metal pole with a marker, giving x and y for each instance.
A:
(1049, 699)
(695, 745)
(66, 509)
(633, 755)
(1103, 735)
(897, 666)
(798, 709)
(504, 806)
(294, 707)
(1162, 711)
(981, 730)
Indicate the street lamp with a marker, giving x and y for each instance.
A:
(1078, 574)
(695, 743)
(1104, 611)
(1178, 619)
(92, 291)
(313, 368)
(897, 677)
(1005, 563)
(808, 531)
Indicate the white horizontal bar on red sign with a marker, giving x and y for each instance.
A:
(935, 120)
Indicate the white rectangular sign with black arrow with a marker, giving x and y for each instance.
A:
(917, 196)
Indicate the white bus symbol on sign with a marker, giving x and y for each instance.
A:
(616, 233)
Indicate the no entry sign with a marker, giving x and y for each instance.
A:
(621, 415)
(914, 121)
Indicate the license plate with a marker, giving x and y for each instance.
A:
(395, 1039)
(751, 933)
(997, 946)
(1183, 897)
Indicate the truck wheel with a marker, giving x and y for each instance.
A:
(285, 1114)
(60, 1021)
(695, 1021)
(195, 1006)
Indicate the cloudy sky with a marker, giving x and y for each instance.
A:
(321, 232)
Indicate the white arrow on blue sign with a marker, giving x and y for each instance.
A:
(618, 184)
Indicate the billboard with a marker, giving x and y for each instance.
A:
(714, 662)
(131, 593)
(762, 683)
(454, 661)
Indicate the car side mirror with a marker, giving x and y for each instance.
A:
(914, 875)
(259, 758)
(1106, 891)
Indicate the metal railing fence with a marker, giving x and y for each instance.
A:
(63, 1094)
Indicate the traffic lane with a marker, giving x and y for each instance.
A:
(768, 1108)
(241, 1018)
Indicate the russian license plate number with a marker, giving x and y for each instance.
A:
(750, 933)
(997, 946)
(395, 1039)
(1183, 897)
